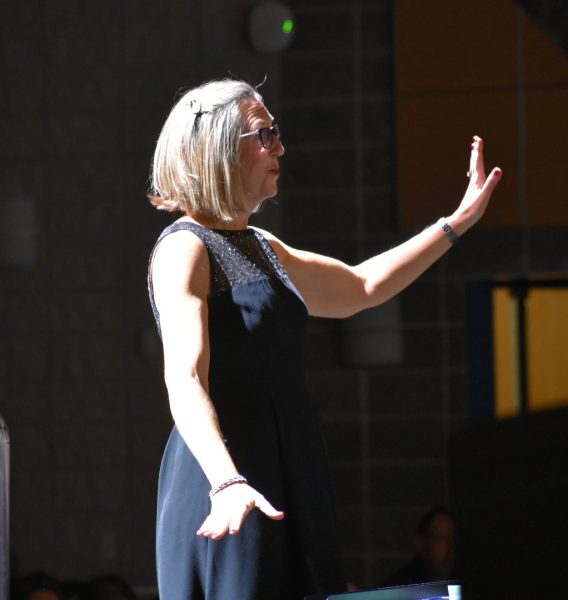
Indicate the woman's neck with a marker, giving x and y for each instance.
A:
(212, 223)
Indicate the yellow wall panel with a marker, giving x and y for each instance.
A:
(505, 354)
(547, 345)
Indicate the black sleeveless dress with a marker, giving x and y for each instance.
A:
(257, 324)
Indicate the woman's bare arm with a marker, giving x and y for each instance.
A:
(180, 273)
(333, 289)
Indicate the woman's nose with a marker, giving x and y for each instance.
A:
(278, 147)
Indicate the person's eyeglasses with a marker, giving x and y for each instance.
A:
(265, 135)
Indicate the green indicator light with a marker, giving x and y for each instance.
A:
(287, 26)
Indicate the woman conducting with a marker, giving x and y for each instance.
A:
(244, 509)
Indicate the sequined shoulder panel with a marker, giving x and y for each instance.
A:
(236, 257)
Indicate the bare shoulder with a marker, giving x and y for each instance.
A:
(266, 234)
(290, 257)
(181, 265)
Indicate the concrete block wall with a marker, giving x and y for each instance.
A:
(84, 452)
(385, 426)
(85, 90)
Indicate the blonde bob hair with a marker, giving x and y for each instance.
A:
(196, 161)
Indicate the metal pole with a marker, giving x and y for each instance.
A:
(521, 292)
(4, 510)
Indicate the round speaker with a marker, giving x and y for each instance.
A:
(270, 27)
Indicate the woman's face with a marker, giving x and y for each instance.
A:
(259, 166)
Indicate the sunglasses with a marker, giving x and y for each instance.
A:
(266, 135)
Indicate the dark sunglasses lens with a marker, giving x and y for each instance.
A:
(266, 136)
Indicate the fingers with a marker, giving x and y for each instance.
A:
(476, 164)
(269, 510)
(477, 167)
(480, 188)
(236, 523)
(236, 519)
(219, 522)
(213, 527)
(263, 505)
(230, 509)
(493, 180)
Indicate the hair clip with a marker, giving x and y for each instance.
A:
(195, 107)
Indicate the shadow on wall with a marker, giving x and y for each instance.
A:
(509, 484)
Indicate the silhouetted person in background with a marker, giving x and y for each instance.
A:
(434, 551)
(108, 587)
(36, 586)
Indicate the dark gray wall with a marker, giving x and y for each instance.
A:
(85, 89)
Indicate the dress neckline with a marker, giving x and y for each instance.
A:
(247, 230)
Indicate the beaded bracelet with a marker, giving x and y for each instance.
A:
(226, 484)
(448, 230)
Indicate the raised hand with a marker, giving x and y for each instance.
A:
(480, 187)
(230, 507)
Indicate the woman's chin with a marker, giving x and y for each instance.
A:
(254, 205)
